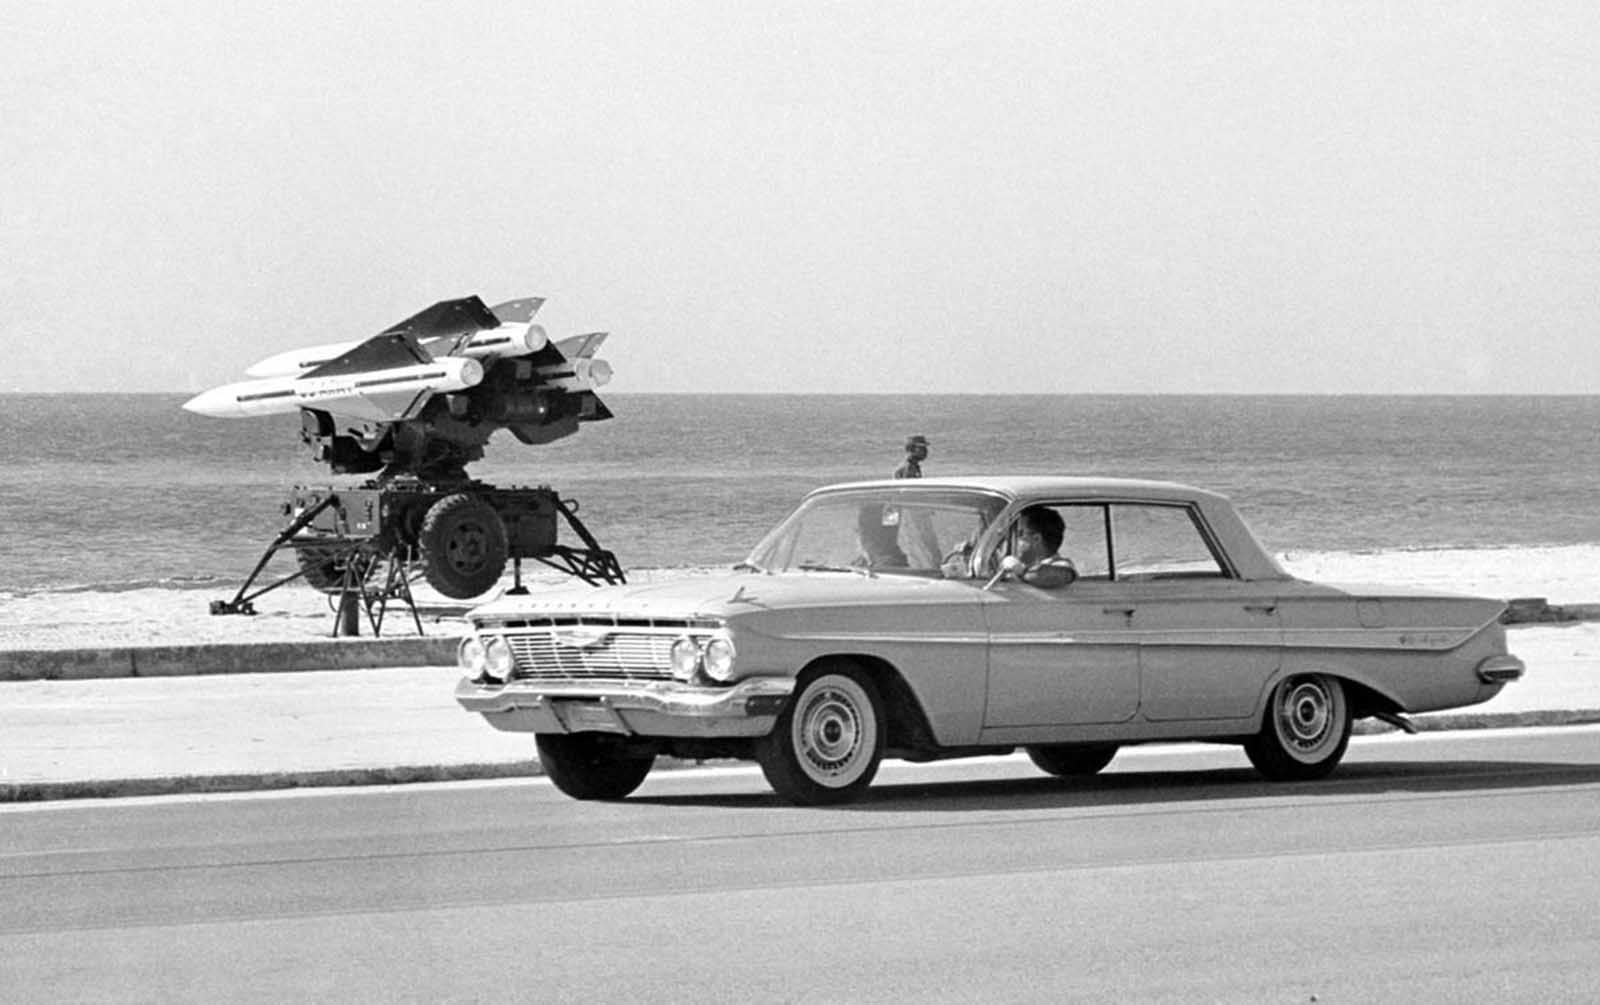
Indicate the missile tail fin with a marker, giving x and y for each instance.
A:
(447, 317)
(582, 346)
(519, 311)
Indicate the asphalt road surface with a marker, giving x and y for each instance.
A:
(1446, 867)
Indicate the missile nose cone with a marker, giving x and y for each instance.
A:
(217, 403)
(471, 372)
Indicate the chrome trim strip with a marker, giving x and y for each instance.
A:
(1254, 637)
(1413, 639)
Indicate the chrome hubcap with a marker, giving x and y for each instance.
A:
(832, 733)
(1305, 716)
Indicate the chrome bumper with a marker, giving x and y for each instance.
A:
(746, 709)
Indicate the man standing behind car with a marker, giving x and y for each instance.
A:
(916, 453)
(1039, 533)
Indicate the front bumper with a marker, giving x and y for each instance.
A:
(746, 709)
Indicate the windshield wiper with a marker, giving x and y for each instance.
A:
(822, 567)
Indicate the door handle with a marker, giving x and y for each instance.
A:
(1126, 612)
(1261, 608)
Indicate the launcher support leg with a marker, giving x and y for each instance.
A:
(517, 589)
(347, 622)
(241, 602)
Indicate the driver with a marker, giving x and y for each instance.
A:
(1039, 533)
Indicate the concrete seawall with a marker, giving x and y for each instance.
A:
(235, 658)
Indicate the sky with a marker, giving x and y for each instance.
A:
(886, 196)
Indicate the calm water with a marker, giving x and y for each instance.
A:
(109, 491)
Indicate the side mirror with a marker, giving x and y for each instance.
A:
(1010, 567)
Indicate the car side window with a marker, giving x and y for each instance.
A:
(1085, 540)
(1153, 542)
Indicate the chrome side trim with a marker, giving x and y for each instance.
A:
(1413, 639)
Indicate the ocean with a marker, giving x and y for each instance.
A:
(108, 492)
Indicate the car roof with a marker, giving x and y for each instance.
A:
(1030, 486)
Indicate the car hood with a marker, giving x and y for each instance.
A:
(730, 594)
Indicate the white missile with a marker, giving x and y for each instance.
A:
(389, 394)
(505, 340)
(463, 327)
(447, 348)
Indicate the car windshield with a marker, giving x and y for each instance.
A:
(893, 529)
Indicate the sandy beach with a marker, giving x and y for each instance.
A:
(292, 613)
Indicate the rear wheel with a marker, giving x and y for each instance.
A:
(462, 544)
(1068, 760)
(1305, 731)
(591, 765)
(828, 740)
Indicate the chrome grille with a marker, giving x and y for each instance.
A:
(622, 657)
(594, 649)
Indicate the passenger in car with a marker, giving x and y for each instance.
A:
(1039, 533)
(880, 540)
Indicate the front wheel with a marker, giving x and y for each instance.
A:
(1305, 731)
(591, 765)
(827, 743)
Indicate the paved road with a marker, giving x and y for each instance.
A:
(1455, 866)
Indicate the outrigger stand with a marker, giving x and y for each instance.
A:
(591, 563)
(242, 601)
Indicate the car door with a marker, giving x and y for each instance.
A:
(1208, 641)
(1065, 656)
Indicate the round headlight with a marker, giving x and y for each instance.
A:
(497, 659)
(469, 655)
(685, 658)
(719, 658)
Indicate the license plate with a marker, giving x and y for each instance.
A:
(590, 716)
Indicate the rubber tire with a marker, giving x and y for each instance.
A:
(586, 765)
(1072, 760)
(462, 546)
(1304, 731)
(323, 568)
(828, 741)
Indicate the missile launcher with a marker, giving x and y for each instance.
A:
(413, 406)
